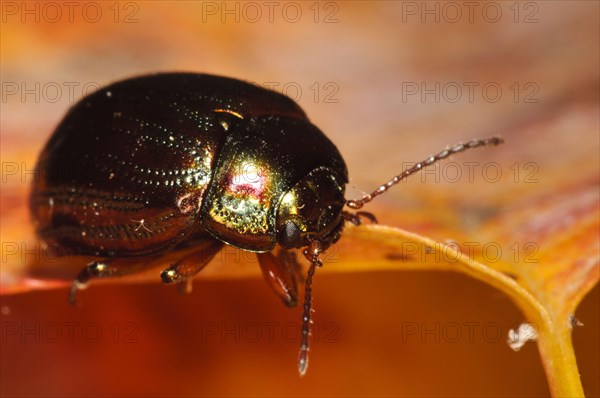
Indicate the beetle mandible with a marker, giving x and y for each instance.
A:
(150, 164)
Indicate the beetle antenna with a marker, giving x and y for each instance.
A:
(461, 147)
(312, 254)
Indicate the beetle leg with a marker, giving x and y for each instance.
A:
(186, 267)
(290, 257)
(107, 268)
(280, 275)
(185, 287)
(355, 218)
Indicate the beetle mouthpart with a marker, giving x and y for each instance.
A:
(461, 147)
(312, 255)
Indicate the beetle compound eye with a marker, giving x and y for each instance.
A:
(290, 235)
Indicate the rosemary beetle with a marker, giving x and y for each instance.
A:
(147, 165)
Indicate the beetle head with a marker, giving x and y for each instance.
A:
(312, 210)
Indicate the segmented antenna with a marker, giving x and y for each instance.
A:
(358, 203)
(312, 254)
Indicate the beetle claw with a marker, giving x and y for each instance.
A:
(355, 218)
(107, 268)
(81, 282)
(73, 291)
(183, 270)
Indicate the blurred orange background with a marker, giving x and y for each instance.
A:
(389, 83)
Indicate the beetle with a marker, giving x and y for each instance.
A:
(147, 165)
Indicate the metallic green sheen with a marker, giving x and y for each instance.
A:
(262, 159)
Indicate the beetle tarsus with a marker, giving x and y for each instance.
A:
(189, 265)
(77, 285)
(303, 362)
(355, 218)
(185, 287)
(170, 275)
(108, 268)
(81, 282)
